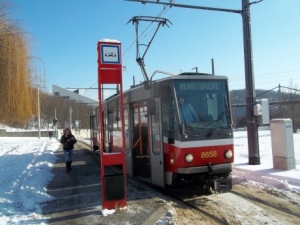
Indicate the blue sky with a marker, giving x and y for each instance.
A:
(64, 34)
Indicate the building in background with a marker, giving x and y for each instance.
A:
(71, 95)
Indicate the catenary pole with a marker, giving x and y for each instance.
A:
(252, 120)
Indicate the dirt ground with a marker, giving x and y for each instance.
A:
(233, 209)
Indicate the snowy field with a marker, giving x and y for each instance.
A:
(265, 147)
(26, 170)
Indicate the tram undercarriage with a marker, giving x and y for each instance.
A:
(212, 180)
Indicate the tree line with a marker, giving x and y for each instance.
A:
(19, 83)
(51, 105)
(287, 105)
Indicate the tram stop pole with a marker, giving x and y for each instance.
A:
(110, 72)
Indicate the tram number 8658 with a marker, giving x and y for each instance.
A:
(210, 154)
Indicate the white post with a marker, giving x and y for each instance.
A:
(39, 120)
(283, 144)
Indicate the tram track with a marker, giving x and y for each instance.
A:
(208, 215)
(218, 209)
(257, 200)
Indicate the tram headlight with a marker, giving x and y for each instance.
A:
(189, 158)
(172, 160)
(228, 154)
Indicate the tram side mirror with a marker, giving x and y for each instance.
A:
(151, 107)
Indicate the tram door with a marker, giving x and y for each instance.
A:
(140, 141)
(157, 159)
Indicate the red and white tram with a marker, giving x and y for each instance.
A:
(164, 142)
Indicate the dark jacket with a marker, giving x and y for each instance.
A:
(68, 142)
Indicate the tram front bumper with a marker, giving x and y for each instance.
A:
(215, 169)
(193, 170)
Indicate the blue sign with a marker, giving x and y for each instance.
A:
(110, 54)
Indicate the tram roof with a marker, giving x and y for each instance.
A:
(181, 76)
(188, 76)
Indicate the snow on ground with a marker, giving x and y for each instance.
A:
(264, 173)
(26, 170)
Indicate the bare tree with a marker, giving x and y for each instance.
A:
(292, 110)
(50, 104)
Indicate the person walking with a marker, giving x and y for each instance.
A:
(68, 140)
(50, 134)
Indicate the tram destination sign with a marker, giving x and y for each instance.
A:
(195, 86)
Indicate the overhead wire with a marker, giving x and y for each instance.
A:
(166, 8)
(124, 51)
(161, 13)
(262, 76)
(83, 82)
(243, 86)
(267, 74)
(90, 87)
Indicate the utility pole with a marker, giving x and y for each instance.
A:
(70, 118)
(252, 120)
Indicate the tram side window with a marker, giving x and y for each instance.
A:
(95, 124)
(140, 115)
(223, 110)
(156, 140)
(126, 124)
(104, 118)
(140, 131)
(116, 120)
(110, 121)
(119, 119)
(168, 117)
(106, 130)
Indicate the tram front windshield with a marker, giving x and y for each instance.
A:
(201, 104)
